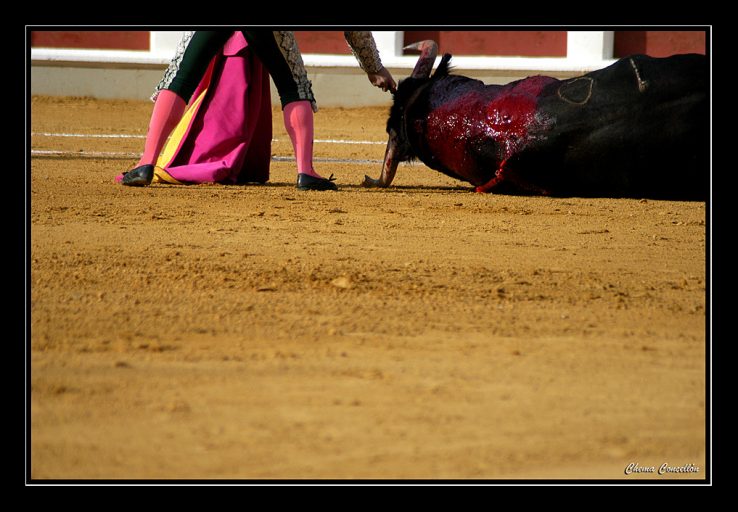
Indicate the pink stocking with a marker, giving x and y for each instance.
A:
(298, 120)
(168, 110)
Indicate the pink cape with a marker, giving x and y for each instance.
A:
(228, 137)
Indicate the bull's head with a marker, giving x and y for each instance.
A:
(398, 146)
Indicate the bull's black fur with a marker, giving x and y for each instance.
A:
(401, 99)
(642, 130)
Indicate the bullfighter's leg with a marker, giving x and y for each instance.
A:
(179, 83)
(279, 53)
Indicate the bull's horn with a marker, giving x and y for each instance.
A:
(389, 166)
(428, 52)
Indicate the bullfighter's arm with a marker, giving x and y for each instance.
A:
(365, 50)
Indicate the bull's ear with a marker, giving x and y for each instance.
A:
(443, 68)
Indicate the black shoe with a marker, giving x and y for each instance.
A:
(139, 177)
(307, 182)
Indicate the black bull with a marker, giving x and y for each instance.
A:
(638, 128)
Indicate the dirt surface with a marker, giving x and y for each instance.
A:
(418, 332)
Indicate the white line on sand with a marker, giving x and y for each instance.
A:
(122, 155)
(90, 135)
(83, 154)
(131, 136)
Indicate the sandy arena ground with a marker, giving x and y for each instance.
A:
(419, 332)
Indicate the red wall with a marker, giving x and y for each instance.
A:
(322, 41)
(309, 41)
(110, 40)
(507, 43)
(659, 43)
(494, 43)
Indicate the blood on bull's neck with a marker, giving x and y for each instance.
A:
(478, 114)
